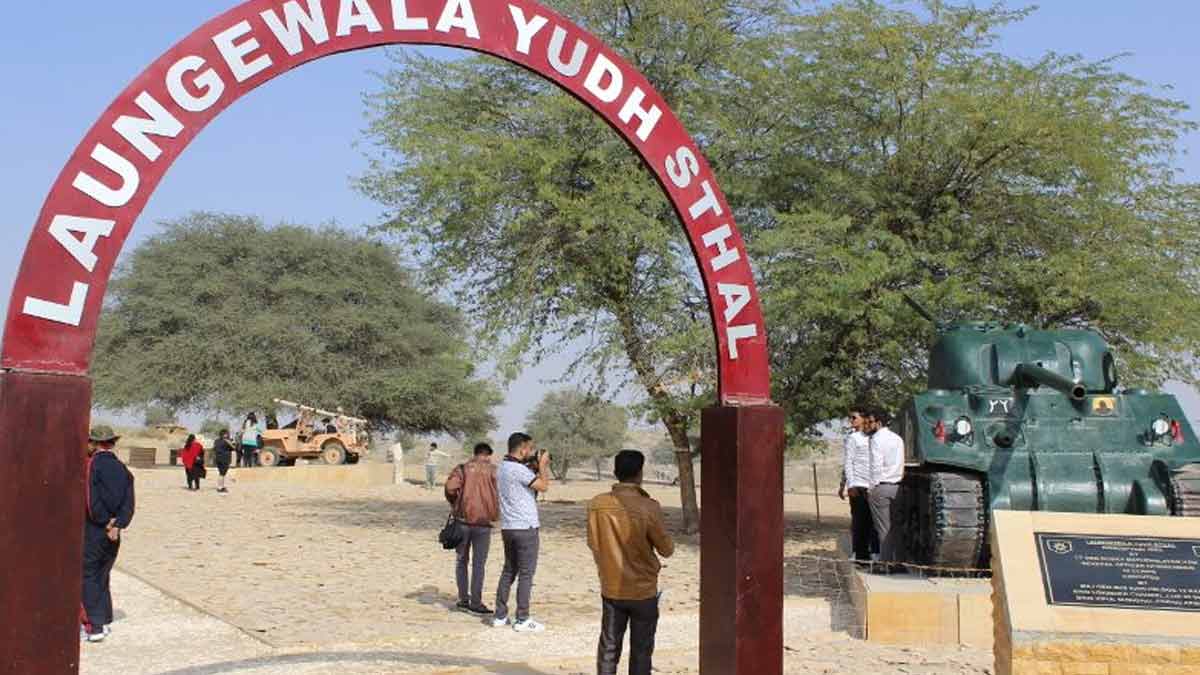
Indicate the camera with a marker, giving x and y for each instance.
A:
(534, 461)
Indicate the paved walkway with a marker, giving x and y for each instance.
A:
(157, 634)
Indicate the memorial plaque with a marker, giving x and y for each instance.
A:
(1123, 572)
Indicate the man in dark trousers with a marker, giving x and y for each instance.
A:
(223, 450)
(109, 506)
(520, 525)
(856, 480)
(625, 529)
(471, 491)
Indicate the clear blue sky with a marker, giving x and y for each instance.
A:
(286, 151)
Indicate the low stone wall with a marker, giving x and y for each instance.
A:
(904, 609)
(362, 474)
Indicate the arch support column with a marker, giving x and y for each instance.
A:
(43, 433)
(741, 541)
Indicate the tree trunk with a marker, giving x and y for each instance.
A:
(687, 477)
(675, 421)
(559, 467)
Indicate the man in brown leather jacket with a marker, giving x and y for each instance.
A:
(625, 528)
(471, 490)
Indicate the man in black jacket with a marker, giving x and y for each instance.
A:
(223, 450)
(109, 502)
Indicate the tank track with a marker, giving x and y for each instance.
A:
(945, 520)
(1185, 492)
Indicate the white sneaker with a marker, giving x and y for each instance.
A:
(496, 623)
(528, 626)
(107, 630)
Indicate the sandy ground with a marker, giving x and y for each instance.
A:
(280, 578)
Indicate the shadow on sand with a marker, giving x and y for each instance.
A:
(384, 658)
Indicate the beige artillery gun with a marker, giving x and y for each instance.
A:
(343, 439)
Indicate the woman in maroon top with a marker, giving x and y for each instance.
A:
(192, 463)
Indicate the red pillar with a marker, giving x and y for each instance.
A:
(741, 538)
(43, 431)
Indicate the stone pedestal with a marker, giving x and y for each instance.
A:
(905, 609)
(1096, 636)
(43, 437)
(741, 555)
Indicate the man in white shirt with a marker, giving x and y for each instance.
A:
(431, 465)
(856, 479)
(886, 451)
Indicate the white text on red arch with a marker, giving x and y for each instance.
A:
(194, 85)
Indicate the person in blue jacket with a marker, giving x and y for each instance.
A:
(109, 501)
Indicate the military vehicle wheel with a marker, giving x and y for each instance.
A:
(944, 516)
(333, 453)
(269, 457)
(1185, 491)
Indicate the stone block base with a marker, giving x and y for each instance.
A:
(352, 475)
(1093, 657)
(908, 610)
(1034, 637)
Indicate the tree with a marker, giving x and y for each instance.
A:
(547, 223)
(894, 152)
(575, 427)
(156, 414)
(212, 427)
(218, 312)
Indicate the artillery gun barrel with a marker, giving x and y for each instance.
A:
(916, 306)
(326, 413)
(1049, 378)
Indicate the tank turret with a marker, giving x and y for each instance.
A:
(1028, 419)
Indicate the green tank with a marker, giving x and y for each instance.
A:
(1024, 419)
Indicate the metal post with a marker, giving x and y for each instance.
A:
(816, 493)
(741, 541)
(43, 433)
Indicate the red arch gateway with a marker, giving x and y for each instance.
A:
(98, 196)
(45, 392)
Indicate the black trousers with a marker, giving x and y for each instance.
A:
(642, 618)
(520, 563)
(473, 553)
(99, 556)
(863, 539)
(249, 455)
(193, 477)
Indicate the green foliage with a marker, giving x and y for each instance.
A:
(156, 414)
(549, 224)
(212, 427)
(575, 426)
(897, 152)
(468, 446)
(867, 151)
(218, 312)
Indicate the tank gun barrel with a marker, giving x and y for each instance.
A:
(916, 306)
(326, 413)
(1049, 378)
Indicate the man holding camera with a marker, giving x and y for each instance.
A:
(518, 485)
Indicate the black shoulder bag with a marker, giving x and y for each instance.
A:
(454, 531)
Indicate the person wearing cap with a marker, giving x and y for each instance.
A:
(109, 504)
